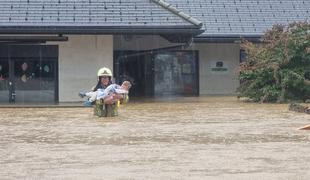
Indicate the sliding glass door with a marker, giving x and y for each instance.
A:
(158, 73)
(29, 74)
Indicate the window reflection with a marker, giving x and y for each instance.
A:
(28, 73)
(33, 74)
(4, 74)
(175, 73)
(4, 79)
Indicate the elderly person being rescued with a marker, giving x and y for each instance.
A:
(107, 106)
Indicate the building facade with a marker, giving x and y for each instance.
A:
(49, 51)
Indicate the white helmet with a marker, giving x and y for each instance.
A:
(104, 72)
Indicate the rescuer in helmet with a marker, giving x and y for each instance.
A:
(109, 106)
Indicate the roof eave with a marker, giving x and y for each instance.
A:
(193, 30)
(227, 38)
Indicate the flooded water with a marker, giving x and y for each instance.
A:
(176, 138)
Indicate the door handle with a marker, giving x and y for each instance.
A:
(13, 96)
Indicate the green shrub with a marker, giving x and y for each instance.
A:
(278, 69)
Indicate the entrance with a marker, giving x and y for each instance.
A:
(137, 68)
(176, 73)
(160, 73)
(28, 73)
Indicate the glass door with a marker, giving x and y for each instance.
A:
(176, 73)
(4, 79)
(28, 74)
(133, 66)
(159, 73)
(34, 80)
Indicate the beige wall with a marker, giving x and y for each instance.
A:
(79, 60)
(210, 82)
(218, 83)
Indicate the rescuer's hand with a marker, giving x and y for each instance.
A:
(113, 98)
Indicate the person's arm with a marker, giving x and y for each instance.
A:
(102, 94)
(108, 100)
(112, 98)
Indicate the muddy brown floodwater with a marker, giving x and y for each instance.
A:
(173, 138)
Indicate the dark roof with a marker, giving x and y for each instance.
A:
(221, 18)
(243, 17)
(90, 16)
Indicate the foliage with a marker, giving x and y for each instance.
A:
(278, 69)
